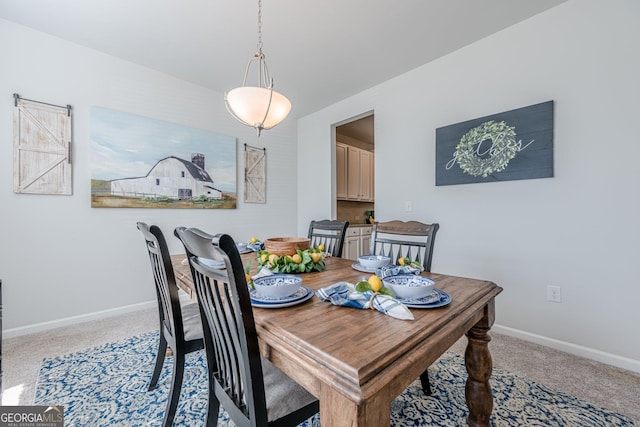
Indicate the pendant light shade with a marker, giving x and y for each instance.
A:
(258, 106)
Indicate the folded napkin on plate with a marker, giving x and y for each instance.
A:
(344, 294)
(255, 247)
(394, 270)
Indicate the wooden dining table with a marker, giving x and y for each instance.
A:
(356, 362)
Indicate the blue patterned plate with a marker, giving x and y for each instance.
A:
(308, 293)
(360, 267)
(430, 301)
(300, 293)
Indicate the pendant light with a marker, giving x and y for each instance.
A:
(259, 106)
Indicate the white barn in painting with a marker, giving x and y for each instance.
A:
(170, 177)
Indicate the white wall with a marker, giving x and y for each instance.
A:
(59, 258)
(579, 230)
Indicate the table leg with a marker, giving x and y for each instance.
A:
(478, 363)
(337, 410)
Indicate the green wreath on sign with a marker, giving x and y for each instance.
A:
(503, 148)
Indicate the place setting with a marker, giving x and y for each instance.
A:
(409, 288)
(416, 291)
(278, 291)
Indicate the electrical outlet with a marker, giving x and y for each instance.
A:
(554, 293)
(408, 206)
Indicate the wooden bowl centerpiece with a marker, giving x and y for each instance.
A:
(286, 245)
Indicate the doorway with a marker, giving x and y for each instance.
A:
(354, 169)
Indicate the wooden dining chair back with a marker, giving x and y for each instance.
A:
(330, 233)
(180, 325)
(251, 390)
(411, 239)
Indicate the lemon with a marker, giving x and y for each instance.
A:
(401, 261)
(296, 258)
(253, 240)
(321, 246)
(273, 258)
(316, 257)
(375, 282)
(247, 277)
(264, 258)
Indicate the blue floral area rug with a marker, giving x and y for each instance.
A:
(107, 386)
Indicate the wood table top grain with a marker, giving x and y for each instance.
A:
(357, 361)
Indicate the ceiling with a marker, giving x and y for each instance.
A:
(318, 53)
(361, 129)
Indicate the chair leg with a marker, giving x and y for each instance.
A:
(162, 350)
(174, 390)
(213, 409)
(424, 380)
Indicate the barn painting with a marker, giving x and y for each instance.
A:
(139, 162)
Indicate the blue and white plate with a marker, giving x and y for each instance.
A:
(437, 298)
(302, 295)
(360, 267)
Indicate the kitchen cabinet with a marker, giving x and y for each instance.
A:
(341, 171)
(354, 174)
(356, 242)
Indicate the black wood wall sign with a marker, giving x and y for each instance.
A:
(516, 144)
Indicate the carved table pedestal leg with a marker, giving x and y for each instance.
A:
(478, 363)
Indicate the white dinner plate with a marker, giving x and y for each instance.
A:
(212, 263)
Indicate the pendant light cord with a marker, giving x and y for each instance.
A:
(260, 26)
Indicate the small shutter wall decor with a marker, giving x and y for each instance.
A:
(41, 148)
(255, 174)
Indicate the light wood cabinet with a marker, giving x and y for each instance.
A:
(356, 242)
(341, 171)
(354, 174)
(366, 176)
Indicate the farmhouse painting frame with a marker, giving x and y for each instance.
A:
(512, 145)
(139, 162)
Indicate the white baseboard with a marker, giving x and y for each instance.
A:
(578, 350)
(74, 320)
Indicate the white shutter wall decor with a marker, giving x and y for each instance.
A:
(255, 174)
(41, 147)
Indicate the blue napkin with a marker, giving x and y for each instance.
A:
(255, 247)
(345, 295)
(394, 270)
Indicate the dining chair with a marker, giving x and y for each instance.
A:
(251, 389)
(330, 233)
(180, 325)
(411, 239)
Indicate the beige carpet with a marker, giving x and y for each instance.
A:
(597, 383)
